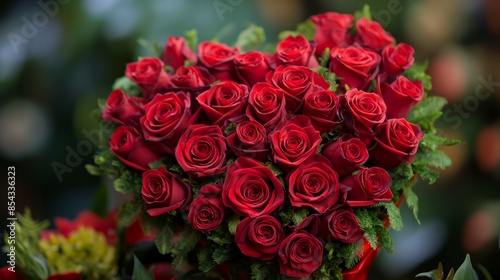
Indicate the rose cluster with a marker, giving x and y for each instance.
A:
(221, 113)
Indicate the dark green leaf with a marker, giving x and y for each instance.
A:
(465, 271)
(140, 273)
(435, 158)
(394, 216)
(427, 111)
(251, 38)
(233, 222)
(163, 240)
(436, 274)
(100, 203)
(128, 212)
(432, 141)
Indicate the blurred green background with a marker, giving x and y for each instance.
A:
(56, 59)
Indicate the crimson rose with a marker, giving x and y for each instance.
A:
(176, 52)
(148, 73)
(189, 77)
(163, 191)
(331, 31)
(251, 189)
(218, 59)
(123, 109)
(296, 51)
(259, 237)
(322, 107)
(252, 67)
(356, 66)
(397, 59)
(300, 254)
(340, 224)
(401, 96)
(346, 154)
(368, 187)
(372, 35)
(206, 212)
(250, 140)
(266, 105)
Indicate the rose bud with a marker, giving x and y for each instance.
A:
(296, 51)
(251, 189)
(259, 238)
(218, 59)
(295, 142)
(368, 187)
(371, 34)
(322, 107)
(206, 212)
(401, 96)
(396, 143)
(252, 67)
(148, 73)
(300, 254)
(163, 191)
(295, 81)
(356, 66)
(313, 184)
(224, 102)
(131, 149)
(361, 112)
(397, 59)
(176, 52)
(347, 154)
(123, 109)
(266, 105)
(201, 151)
(189, 77)
(250, 140)
(331, 31)
(340, 224)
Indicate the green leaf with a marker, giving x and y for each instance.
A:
(153, 46)
(251, 38)
(412, 202)
(394, 215)
(426, 173)
(205, 261)
(93, 170)
(299, 215)
(274, 168)
(427, 111)
(385, 239)
(364, 13)
(100, 203)
(223, 254)
(262, 271)
(140, 273)
(127, 86)
(233, 222)
(435, 158)
(325, 57)
(465, 271)
(163, 240)
(417, 73)
(432, 141)
(128, 212)
(485, 272)
(192, 39)
(436, 274)
(306, 29)
(187, 241)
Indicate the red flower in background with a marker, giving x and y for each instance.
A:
(176, 52)
(331, 31)
(218, 59)
(372, 35)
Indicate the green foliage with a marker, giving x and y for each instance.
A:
(221, 236)
(436, 158)
(394, 215)
(192, 39)
(230, 128)
(368, 221)
(348, 253)
(306, 29)
(140, 273)
(432, 141)
(263, 271)
(274, 168)
(417, 73)
(251, 38)
(465, 271)
(127, 86)
(437, 274)
(412, 202)
(364, 13)
(164, 236)
(427, 112)
(129, 182)
(100, 203)
(129, 211)
(205, 260)
(233, 222)
(152, 47)
(293, 215)
(224, 253)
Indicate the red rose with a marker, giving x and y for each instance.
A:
(368, 187)
(296, 51)
(397, 142)
(252, 67)
(166, 117)
(295, 142)
(201, 151)
(372, 35)
(300, 254)
(331, 31)
(251, 189)
(163, 191)
(313, 184)
(361, 112)
(148, 73)
(6, 274)
(131, 149)
(346, 154)
(189, 77)
(356, 66)
(259, 238)
(266, 105)
(249, 140)
(322, 107)
(401, 96)
(397, 59)
(176, 52)
(206, 212)
(340, 224)
(219, 59)
(224, 102)
(123, 109)
(360, 270)
(295, 81)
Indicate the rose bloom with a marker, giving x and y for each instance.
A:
(130, 148)
(176, 52)
(300, 255)
(266, 105)
(252, 67)
(397, 59)
(218, 59)
(355, 65)
(362, 111)
(295, 81)
(313, 184)
(340, 224)
(148, 73)
(206, 212)
(122, 108)
(397, 143)
(322, 106)
(296, 51)
(202, 151)
(259, 238)
(163, 191)
(295, 142)
(331, 31)
(189, 77)
(372, 35)
(368, 187)
(251, 189)
(401, 96)
(250, 140)
(347, 154)
(224, 102)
